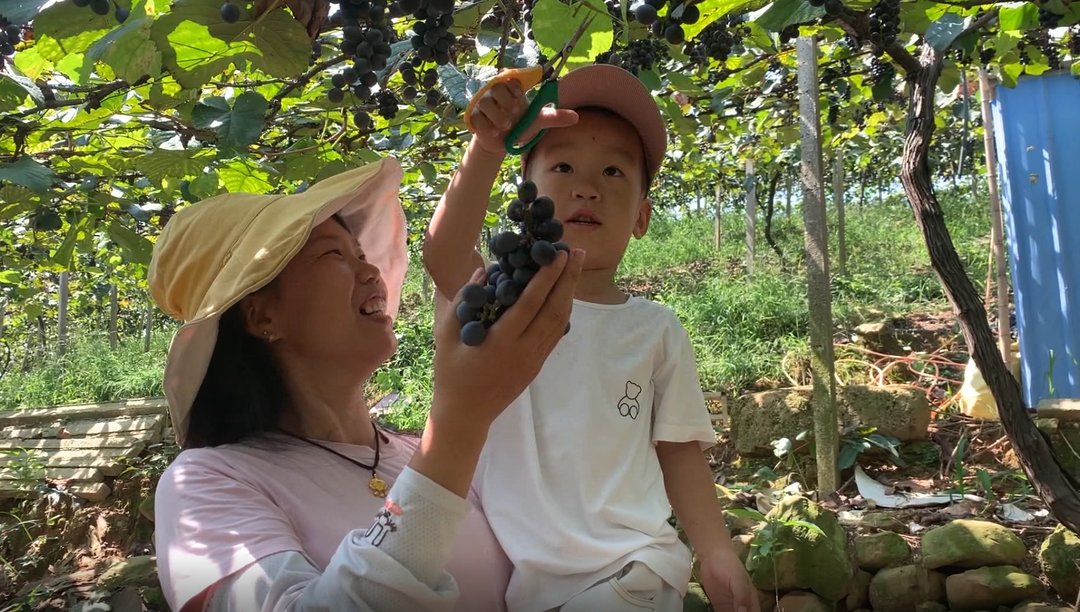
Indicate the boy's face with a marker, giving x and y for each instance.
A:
(594, 171)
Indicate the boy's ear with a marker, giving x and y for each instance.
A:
(644, 214)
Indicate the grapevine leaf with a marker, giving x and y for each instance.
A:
(711, 10)
(206, 186)
(1018, 17)
(554, 23)
(10, 277)
(468, 15)
(63, 29)
(1010, 73)
(650, 79)
(196, 43)
(949, 79)
(63, 256)
(21, 12)
(241, 176)
(235, 127)
(460, 86)
(137, 248)
(28, 173)
(784, 13)
(684, 83)
(162, 162)
(944, 31)
(745, 513)
(128, 49)
(428, 171)
(30, 63)
(1075, 69)
(15, 92)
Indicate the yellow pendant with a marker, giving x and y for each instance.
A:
(378, 486)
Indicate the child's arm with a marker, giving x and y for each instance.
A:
(692, 494)
(450, 245)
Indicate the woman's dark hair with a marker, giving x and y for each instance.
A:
(242, 395)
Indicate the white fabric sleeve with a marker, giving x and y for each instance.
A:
(396, 564)
(679, 410)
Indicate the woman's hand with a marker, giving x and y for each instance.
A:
(474, 384)
(500, 109)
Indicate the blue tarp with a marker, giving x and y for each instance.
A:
(1037, 136)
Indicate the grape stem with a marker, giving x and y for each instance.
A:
(502, 42)
(333, 140)
(275, 102)
(509, 17)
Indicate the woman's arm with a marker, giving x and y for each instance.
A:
(397, 564)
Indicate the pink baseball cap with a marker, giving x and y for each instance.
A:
(617, 90)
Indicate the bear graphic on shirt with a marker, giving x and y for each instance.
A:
(628, 405)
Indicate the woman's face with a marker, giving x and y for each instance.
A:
(327, 307)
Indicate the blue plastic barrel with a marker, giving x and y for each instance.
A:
(1037, 136)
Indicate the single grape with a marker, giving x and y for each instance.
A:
(473, 333)
(364, 49)
(515, 211)
(102, 7)
(543, 252)
(442, 46)
(350, 75)
(504, 243)
(550, 230)
(520, 258)
(474, 296)
(508, 292)
(495, 277)
(408, 76)
(122, 14)
(370, 79)
(491, 293)
(834, 7)
(409, 93)
(675, 35)
(410, 6)
(690, 15)
(335, 95)
(442, 59)
(441, 6)
(353, 33)
(492, 269)
(374, 36)
(657, 27)
(361, 91)
(363, 65)
(645, 13)
(81, 3)
(338, 81)
(562, 246)
(542, 209)
(378, 62)
(431, 77)
(7, 50)
(362, 120)
(523, 275)
(230, 13)
(527, 192)
(382, 49)
(446, 20)
(466, 313)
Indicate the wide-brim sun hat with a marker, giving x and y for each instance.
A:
(617, 90)
(214, 253)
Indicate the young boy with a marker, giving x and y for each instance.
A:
(574, 473)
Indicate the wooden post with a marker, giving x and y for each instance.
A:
(751, 215)
(114, 314)
(787, 194)
(862, 188)
(61, 326)
(149, 325)
(838, 201)
(880, 200)
(997, 241)
(819, 295)
(717, 218)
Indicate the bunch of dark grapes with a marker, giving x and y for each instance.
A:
(884, 24)
(670, 26)
(102, 7)
(834, 110)
(881, 72)
(1048, 19)
(520, 256)
(986, 56)
(789, 34)
(1074, 42)
(428, 80)
(720, 38)
(316, 52)
(641, 54)
(527, 16)
(432, 37)
(388, 104)
(10, 35)
(832, 7)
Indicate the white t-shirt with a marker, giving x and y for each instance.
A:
(569, 478)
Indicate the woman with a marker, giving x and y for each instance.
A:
(286, 496)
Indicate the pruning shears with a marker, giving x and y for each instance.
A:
(530, 77)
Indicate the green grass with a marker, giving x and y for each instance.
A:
(741, 327)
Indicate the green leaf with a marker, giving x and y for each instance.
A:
(137, 248)
(1009, 73)
(64, 29)
(428, 170)
(711, 10)
(30, 63)
(196, 44)
(468, 15)
(746, 513)
(162, 162)
(1018, 17)
(784, 13)
(944, 31)
(14, 93)
(554, 23)
(983, 478)
(683, 83)
(21, 12)
(236, 127)
(950, 78)
(240, 176)
(806, 525)
(650, 79)
(460, 86)
(10, 277)
(206, 186)
(63, 254)
(882, 90)
(128, 49)
(32, 311)
(1075, 69)
(28, 173)
(847, 456)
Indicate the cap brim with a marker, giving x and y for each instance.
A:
(372, 211)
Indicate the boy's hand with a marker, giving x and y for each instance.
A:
(724, 578)
(500, 109)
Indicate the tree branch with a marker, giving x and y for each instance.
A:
(858, 26)
(275, 102)
(502, 43)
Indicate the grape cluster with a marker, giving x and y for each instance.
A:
(1074, 41)
(10, 35)
(641, 54)
(1048, 19)
(884, 24)
(432, 37)
(670, 26)
(520, 256)
(428, 81)
(316, 52)
(102, 7)
(719, 39)
(881, 72)
(986, 56)
(789, 34)
(527, 18)
(832, 7)
(388, 104)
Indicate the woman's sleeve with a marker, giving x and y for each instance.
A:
(396, 563)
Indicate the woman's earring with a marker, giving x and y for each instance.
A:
(269, 336)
